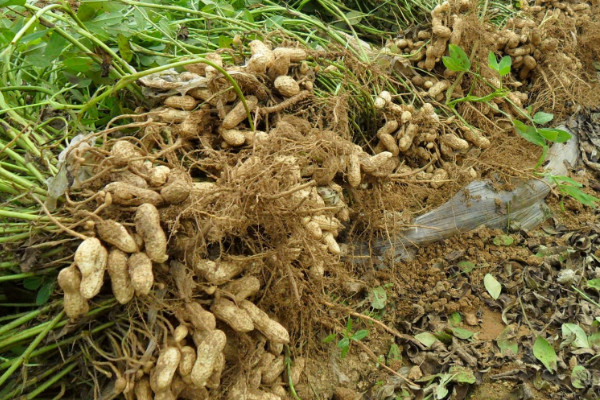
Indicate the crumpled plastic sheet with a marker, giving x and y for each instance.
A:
(477, 204)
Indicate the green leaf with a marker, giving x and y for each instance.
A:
(344, 351)
(544, 352)
(579, 195)
(378, 298)
(503, 240)
(529, 133)
(504, 66)
(78, 64)
(554, 135)
(6, 3)
(329, 338)
(354, 17)
(466, 266)
(224, 41)
(427, 338)
(349, 325)
(124, 48)
(32, 283)
(458, 60)
(580, 338)
(492, 286)
(493, 62)
(44, 293)
(443, 337)
(542, 118)
(594, 283)
(462, 375)
(461, 333)
(394, 353)
(360, 335)
(566, 179)
(508, 346)
(441, 391)
(344, 342)
(55, 47)
(594, 339)
(455, 319)
(580, 377)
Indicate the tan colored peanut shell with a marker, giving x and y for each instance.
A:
(438, 178)
(140, 272)
(220, 271)
(353, 172)
(91, 258)
(129, 178)
(165, 395)
(200, 318)
(389, 143)
(114, 233)
(297, 369)
(188, 358)
(332, 244)
(271, 372)
(235, 317)
(244, 287)
(406, 140)
(147, 225)
(262, 57)
(158, 175)
(476, 138)
(187, 103)
(233, 137)
(123, 152)
(142, 390)
(238, 113)
(177, 188)
(166, 366)
(69, 280)
(295, 54)
(286, 85)
(388, 128)
(454, 142)
(272, 329)
(373, 163)
(171, 115)
(128, 195)
(119, 276)
(207, 356)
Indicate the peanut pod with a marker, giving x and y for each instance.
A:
(207, 356)
(91, 258)
(69, 280)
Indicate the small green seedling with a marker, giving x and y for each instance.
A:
(347, 338)
(531, 130)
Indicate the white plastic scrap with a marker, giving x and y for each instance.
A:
(58, 184)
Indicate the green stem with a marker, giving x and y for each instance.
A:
(56, 345)
(51, 381)
(21, 215)
(16, 363)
